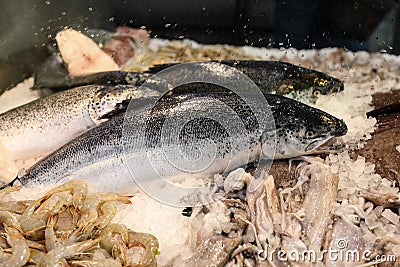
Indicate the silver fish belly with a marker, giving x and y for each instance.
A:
(40, 127)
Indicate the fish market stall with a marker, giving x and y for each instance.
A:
(329, 197)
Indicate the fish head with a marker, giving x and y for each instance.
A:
(300, 130)
(309, 82)
(322, 83)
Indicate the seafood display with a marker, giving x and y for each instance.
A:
(330, 198)
(70, 226)
(281, 226)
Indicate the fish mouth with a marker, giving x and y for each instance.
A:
(332, 144)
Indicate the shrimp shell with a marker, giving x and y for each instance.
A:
(20, 250)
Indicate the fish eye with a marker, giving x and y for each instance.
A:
(310, 134)
(317, 92)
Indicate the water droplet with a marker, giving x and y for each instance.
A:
(111, 19)
(47, 2)
(63, 13)
(167, 25)
(204, 8)
(90, 8)
(49, 36)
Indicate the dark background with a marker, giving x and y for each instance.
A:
(27, 26)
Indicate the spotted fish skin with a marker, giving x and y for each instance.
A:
(272, 77)
(281, 78)
(40, 127)
(102, 154)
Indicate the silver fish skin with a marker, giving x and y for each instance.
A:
(40, 127)
(101, 155)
